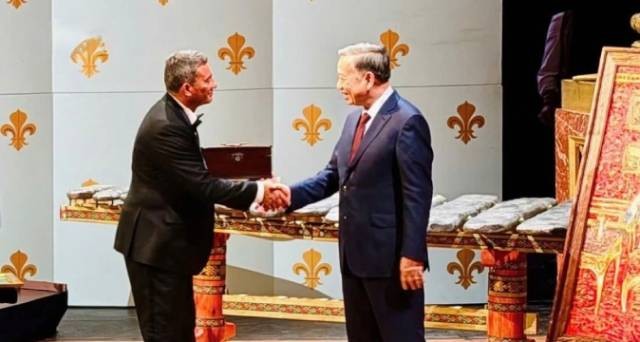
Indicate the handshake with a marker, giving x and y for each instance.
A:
(277, 196)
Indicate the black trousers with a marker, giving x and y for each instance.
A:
(378, 309)
(164, 303)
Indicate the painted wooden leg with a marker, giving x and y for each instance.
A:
(507, 295)
(208, 288)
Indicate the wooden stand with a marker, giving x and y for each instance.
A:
(507, 295)
(208, 288)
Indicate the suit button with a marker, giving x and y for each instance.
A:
(344, 188)
(344, 217)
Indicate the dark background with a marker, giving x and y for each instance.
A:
(528, 144)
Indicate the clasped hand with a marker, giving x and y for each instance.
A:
(277, 196)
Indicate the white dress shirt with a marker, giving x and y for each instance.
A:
(376, 106)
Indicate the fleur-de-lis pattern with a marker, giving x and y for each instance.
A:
(312, 124)
(89, 52)
(236, 52)
(312, 268)
(19, 128)
(16, 3)
(19, 266)
(465, 122)
(390, 41)
(163, 2)
(89, 182)
(465, 267)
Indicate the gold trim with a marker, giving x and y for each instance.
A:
(287, 229)
(574, 152)
(9, 280)
(497, 277)
(331, 310)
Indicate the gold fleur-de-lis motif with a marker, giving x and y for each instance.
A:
(466, 121)
(19, 266)
(18, 129)
(236, 52)
(89, 52)
(312, 268)
(89, 182)
(312, 124)
(465, 267)
(390, 41)
(16, 3)
(163, 2)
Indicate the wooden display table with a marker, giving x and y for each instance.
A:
(504, 254)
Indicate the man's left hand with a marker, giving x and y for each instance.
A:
(411, 274)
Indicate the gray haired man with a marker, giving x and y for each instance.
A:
(166, 226)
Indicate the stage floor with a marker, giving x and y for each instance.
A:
(119, 324)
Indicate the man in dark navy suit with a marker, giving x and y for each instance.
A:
(382, 167)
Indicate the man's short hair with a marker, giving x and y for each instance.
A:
(181, 68)
(369, 57)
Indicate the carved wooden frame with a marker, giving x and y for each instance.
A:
(611, 59)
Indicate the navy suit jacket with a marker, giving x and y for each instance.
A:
(385, 192)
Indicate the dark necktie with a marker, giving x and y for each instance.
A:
(357, 138)
(195, 133)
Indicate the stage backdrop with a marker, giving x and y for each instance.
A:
(84, 73)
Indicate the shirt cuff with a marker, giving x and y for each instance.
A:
(259, 193)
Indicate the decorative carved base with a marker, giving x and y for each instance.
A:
(208, 287)
(506, 319)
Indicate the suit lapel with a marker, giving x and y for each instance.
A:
(177, 110)
(376, 127)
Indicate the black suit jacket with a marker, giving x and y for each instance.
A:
(167, 218)
(385, 192)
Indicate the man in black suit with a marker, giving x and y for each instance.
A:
(382, 167)
(166, 225)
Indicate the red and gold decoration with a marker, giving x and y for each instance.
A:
(312, 267)
(18, 128)
(88, 53)
(236, 52)
(19, 266)
(390, 39)
(163, 2)
(599, 299)
(312, 123)
(465, 121)
(507, 300)
(16, 3)
(465, 267)
(332, 310)
(87, 209)
(570, 132)
(294, 227)
(208, 288)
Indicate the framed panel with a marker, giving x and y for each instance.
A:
(597, 297)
